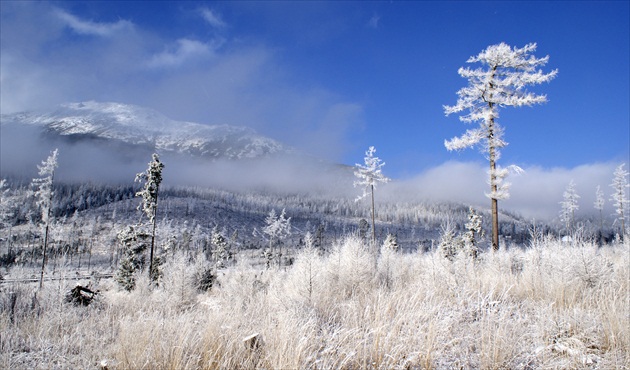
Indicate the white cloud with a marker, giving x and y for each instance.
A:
(212, 18)
(535, 194)
(184, 50)
(93, 28)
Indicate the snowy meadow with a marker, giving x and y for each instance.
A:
(550, 305)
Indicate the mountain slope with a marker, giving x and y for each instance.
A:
(145, 127)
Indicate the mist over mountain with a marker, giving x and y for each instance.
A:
(143, 127)
(111, 142)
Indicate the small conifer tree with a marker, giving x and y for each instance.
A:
(569, 206)
(472, 234)
(134, 243)
(449, 244)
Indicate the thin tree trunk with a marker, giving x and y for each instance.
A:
(41, 277)
(374, 248)
(493, 166)
(152, 246)
(495, 225)
(90, 255)
(373, 219)
(493, 188)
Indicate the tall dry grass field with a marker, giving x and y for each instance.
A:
(550, 306)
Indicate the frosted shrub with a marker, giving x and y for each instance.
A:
(350, 267)
(305, 280)
(178, 280)
(385, 262)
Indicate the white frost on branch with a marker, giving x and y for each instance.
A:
(370, 173)
(599, 199)
(569, 205)
(497, 177)
(43, 185)
(152, 179)
(277, 227)
(499, 82)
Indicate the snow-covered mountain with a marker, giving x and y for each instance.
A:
(138, 126)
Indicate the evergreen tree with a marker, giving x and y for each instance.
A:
(507, 72)
(390, 243)
(449, 244)
(134, 243)
(152, 178)
(220, 253)
(472, 234)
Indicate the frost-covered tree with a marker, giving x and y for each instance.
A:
(620, 197)
(220, 253)
(277, 228)
(43, 192)
(569, 205)
(599, 205)
(499, 82)
(472, 234)
(134, 243)
(369, 174)
(391, 243)
(152, 179)
(449, 244)
(6, 206)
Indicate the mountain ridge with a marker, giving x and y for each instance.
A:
(144, 126)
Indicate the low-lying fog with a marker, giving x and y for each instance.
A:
(534, 194)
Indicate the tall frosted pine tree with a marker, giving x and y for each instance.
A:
(499, 82)
(43, 191)
(152, 179)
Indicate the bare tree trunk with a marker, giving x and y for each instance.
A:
(495, 225)
(41, 277)
(374, 247)
(373, 222)
(152, 246)
(493, 187)
(492, 154)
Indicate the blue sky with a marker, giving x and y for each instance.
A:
(333, 78)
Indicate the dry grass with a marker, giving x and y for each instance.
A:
(551, 306)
